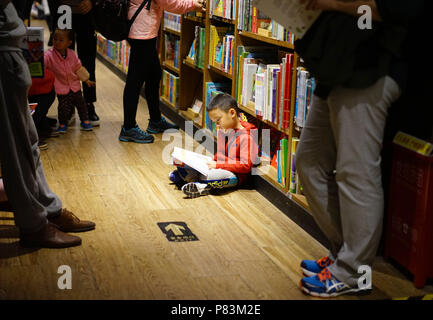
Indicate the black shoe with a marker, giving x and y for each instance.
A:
(160, 126)
(93, 117)
(42, 145)
(135, 135)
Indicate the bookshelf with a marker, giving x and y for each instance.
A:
(193, 78)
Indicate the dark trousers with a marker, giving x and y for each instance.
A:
(44, 102)
(144, 67)
(67, 103)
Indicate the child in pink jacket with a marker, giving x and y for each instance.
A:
(144, 66)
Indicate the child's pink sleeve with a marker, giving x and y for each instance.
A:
(47, 60)
(177, 6)
(76, 62)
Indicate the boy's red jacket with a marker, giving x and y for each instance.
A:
(237, 151)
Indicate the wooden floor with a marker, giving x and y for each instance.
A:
(247, 248)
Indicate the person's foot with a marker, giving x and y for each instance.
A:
(93, 117)
(62, 129)
(85, 126)
(48, 237)
(195, 189)
(69, 222)
(135, 135)
(42, 145)
(312, 267)
(326, 285)
(160, 126)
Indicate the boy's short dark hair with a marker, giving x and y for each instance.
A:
(223, 101)
(69, 33)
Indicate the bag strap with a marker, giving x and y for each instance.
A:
(148, 2)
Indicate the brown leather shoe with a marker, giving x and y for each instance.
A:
(69, 222)
(49, 237)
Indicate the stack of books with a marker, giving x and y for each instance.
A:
(223, 8)
(170, 87)
(117, 52)
(196, 51)
(304, 91)
(172, 49)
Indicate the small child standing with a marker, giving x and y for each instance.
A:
(237, 152)
(68, 71)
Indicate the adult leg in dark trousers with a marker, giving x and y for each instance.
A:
(44, 102)
(37, 210)
(84, 29)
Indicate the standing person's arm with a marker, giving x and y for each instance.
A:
(181, 6)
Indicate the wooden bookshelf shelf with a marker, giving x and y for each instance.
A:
(168, 30)
(192, 65)
(170, 65)
(269, 40)
(252, 112)
(168, 103)
(195, 19)
(224, 20)
(270, 174)
(220, 72)
(301, 200)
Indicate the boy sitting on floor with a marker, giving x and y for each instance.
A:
(237, 152)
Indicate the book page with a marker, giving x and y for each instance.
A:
(289, 13)
(194, 160)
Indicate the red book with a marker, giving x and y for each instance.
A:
(254, 27)
(288, 90)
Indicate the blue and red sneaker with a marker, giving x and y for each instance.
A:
(325, 285)
(312, 267)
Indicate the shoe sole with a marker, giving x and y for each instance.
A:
(308, 273)
(192, 191)
(84, 129)
(65, 230)
(32, 244)
(150, 131)
(136, 141)
(95, 123)
(332, 295)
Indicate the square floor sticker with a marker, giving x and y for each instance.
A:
(177, 231)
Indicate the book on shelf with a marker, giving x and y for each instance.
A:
(172, 21)
(292, 14)
(170, 87)
(212, 89)
(172, 49)
(223, 8)
(197, 161)
(117, 52)
(305, 86)
(32, 46)
(293, 180)
(196, 51)
(221, 48)
(253, 20)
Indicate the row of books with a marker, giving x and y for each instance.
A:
(264, 85)
(212, 89)
(221, 49)
(294, 184)
(172, 49)
(223, 8)
(196, 52)
(252, 20)
(117, 52)
(172, 21)
(170, 87)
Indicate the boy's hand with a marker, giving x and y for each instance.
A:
(200, 5)
(328, 5)
(211, 164)
(90, 83)
(85, 6)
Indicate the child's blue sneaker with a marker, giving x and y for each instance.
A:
(86, 126)
(325, 285)
(135, 135)
(312, 267)
(62, 129)
(160, 126)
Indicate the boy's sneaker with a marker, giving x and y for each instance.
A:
(42, 145)
(160, 126)
(93, 117)
(195, 189)
(135, 135)
(312, 267)
(175, 177)
(62, 129)
(85, 126)
(325, 285)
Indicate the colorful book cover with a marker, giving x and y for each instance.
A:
(33, 51)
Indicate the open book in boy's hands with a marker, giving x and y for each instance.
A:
(291, 14)
(191, 159)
